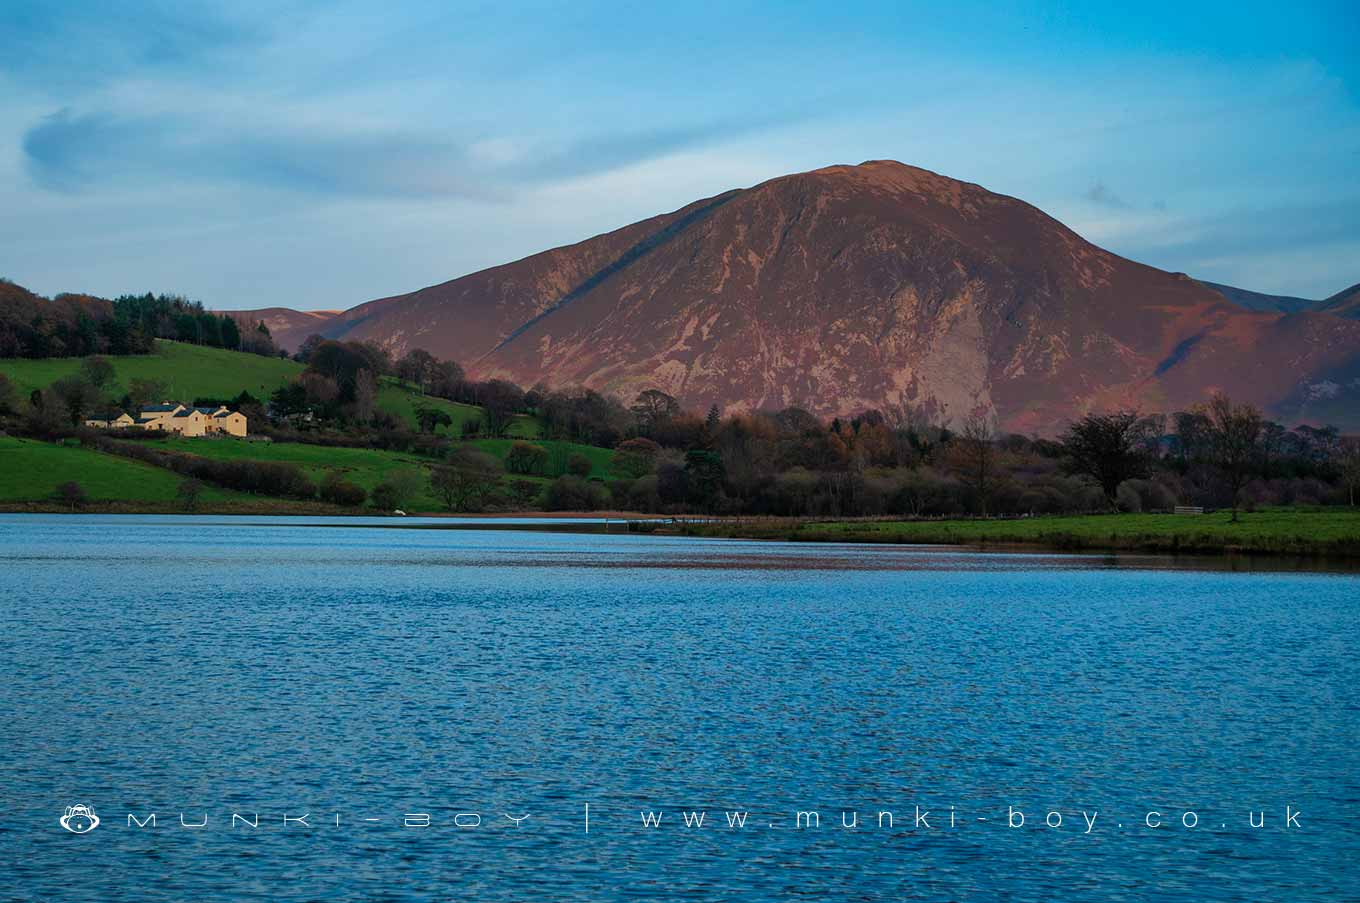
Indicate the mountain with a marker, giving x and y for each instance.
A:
(1345, 303)
(289, 328)
(1285, 304)
(863, 286)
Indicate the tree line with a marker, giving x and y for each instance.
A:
(899, 460)
(71, 325)
(338, 390)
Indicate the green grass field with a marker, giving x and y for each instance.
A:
(189, 371)
(30, 471)
(194, 371)
(401, 400)
(366, 467)
(1328, 531)
(361, 466)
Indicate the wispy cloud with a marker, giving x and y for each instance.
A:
(617, 148)
(74, 152)
(80, 152)
(1099, 193)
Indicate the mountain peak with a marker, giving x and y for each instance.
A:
(880, 285)
(887, 177)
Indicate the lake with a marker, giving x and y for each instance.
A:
(400, 714)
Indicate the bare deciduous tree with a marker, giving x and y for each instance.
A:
(71, 494)
(365, 394)
(1348, 459)
(466, 481)
(188, 493)
(975, 457)
(1234, 440)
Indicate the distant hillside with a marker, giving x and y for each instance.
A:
(289, 328)
(1345, 303)
(195, 371)
(188, 371)
(1284, 304)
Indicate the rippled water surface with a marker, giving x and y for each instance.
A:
(211, 666)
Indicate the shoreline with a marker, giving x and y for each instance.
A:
(1326, 534)
(1318, 535)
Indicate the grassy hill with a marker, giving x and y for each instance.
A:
(189, 371)
(361, 466)
(401, 400)
(32, 470)
(195, 371)
(369, 467)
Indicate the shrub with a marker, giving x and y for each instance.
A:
(635, 457)
(188, 493)
(1126, 498)
(71, 494)
(525, 493)
(399, 490)
(468, 481)
(339, 491)
(258, 477)
(384, 497)
(578, 465)
(571, 493)
(642, 495)
(526, 458)
(1144, 495)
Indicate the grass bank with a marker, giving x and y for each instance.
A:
(188, 371)
(30, 472)
(1331, 533)
(237, 504)
(369, 467)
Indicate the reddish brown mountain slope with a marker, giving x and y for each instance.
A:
(855, 286)
(288, 327)
(1345, 303)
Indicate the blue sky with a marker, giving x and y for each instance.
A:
(318, 155)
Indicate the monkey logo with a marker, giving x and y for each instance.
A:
(79, 819)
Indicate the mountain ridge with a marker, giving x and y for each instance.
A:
(849, 287)
(1342, 304)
